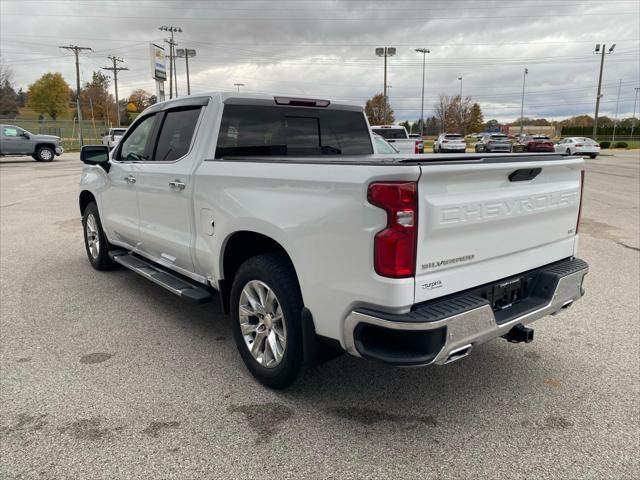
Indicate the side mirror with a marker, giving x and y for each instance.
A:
(96, 155)
(26, 135)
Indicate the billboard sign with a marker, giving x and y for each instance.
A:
(158, 67)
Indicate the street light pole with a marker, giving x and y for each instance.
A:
(524, 79)
(238, 85)
(460, 78)
(595, 117)
(424, 52)
(633, 117)
(385, 52)
(186, 53)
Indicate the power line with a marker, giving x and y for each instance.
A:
(76, 50)
(115, 69)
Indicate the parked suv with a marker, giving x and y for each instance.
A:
(17, 141)
(449, 142)
(493, 142)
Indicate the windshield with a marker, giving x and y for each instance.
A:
(392, 133)
(499, 137)
(381, 145)
(118, 131)
(255, 130)
(453, 136)
(540, 137)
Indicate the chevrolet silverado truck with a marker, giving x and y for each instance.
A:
(17, 141)
(314, 244)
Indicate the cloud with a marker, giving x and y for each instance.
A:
(326, 48)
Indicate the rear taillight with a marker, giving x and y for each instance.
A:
(445, 141)
(395, 246)
(419, 147)
(579, 145)
(597, 145)
(581, 195)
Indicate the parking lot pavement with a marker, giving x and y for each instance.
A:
(105, 375)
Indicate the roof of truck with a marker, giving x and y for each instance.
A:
(241, 98)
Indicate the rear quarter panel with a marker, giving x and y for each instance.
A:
(319, 214)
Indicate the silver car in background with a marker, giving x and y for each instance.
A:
(494, 142)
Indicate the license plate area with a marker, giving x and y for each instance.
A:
(506, 294)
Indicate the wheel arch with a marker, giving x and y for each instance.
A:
(85, 198)
(44, 144)
(238, 247)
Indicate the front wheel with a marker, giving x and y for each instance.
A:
(266, 306)
(45, 154)
(95, 241)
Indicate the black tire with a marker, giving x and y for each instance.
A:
(101, 259)
(569, 151)
(45, 154)
(593, 156)
(275, 271)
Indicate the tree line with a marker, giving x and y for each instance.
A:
(457, 114)
(52, 96)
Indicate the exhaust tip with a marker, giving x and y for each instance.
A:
(458, 353)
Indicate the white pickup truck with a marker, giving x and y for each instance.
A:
(397, 136)
(315, 244)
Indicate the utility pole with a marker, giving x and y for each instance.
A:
(524, 79)
(633, 118)
(615, 118)
(460, 78)
(171, 29)
(385, 52)
(424, 52)
(186, 53)
(462, 129)
(238, 85)
(76, 50)
(597, 51)
(115, 69)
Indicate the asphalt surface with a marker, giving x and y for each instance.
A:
(105, 375)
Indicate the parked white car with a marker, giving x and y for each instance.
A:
(397, 136)
(449, 143)
(312, 242)
(578, 146)
(112, 136)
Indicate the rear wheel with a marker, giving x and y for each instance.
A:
(266, 307)
(45, 154)
(568, 151)
(593, 155)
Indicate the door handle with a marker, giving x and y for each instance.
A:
(177, 185)
(130, 179)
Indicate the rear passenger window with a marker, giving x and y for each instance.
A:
(176, 134)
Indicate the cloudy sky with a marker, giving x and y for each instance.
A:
(325, 48)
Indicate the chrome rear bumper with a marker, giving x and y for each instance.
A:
(442, 331)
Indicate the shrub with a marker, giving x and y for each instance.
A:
(604, 145)
(621, 145)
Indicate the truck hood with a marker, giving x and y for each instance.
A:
(46, 138)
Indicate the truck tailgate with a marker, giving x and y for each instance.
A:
(480, 222)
